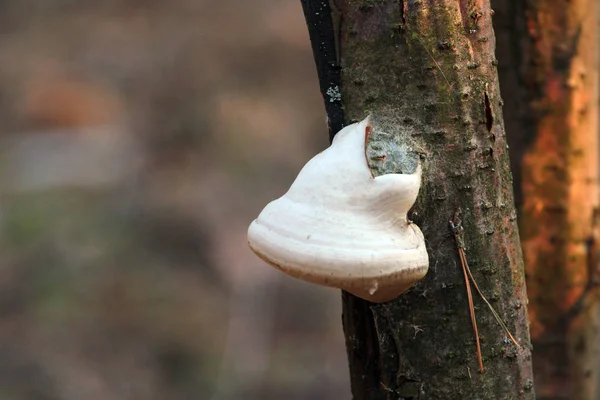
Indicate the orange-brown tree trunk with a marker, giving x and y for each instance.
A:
(552, 127)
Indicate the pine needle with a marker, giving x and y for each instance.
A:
(463, 262)
(429, 54)
(494, 313)
(456, 226)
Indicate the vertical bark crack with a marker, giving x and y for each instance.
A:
(403, 11)
(489, 114)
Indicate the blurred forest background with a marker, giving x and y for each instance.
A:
(138, 139)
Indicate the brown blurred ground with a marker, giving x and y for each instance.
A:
(138, 139)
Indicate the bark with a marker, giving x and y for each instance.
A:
(549, 57)
(426, 71)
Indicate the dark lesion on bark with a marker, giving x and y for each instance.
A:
(403, 10)
(489, 114)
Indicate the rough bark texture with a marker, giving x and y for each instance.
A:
(426, 71)
(548, 54)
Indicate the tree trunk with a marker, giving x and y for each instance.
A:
(426, 71)
(549, 54)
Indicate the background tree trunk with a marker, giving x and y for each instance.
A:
(548, 58)
(426, 70)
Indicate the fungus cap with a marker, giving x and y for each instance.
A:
(339, 226)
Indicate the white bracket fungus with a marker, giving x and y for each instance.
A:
(339, 226)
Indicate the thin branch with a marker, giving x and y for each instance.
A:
(322, 32)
